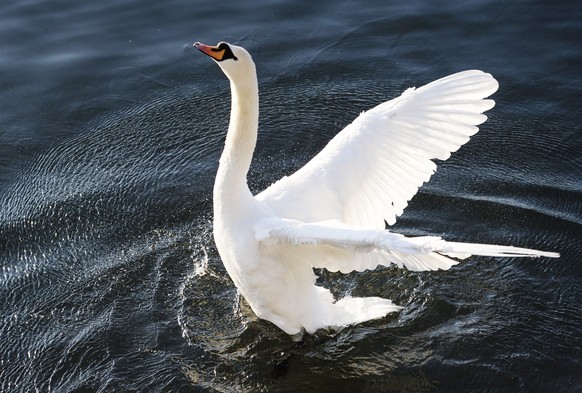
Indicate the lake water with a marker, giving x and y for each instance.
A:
(111, 126)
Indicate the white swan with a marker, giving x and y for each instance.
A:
(330, 213)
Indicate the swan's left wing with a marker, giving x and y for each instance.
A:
(338, 247)
(369, 171)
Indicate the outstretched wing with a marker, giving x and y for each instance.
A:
(336, 246)
(339, 247)
(370, 170)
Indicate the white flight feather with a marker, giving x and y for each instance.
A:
(376, 164)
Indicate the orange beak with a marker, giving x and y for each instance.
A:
(212, 51)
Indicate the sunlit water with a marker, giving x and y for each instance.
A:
(110, 130)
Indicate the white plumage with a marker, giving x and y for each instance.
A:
(331, 213)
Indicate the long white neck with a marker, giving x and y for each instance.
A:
(231, 179)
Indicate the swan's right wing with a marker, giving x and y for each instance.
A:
(369, 171)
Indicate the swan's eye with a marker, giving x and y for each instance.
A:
(227, 51)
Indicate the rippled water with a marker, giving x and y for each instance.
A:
(110, 130)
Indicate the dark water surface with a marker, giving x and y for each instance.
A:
(111, 125)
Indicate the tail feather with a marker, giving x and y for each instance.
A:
(354, 310)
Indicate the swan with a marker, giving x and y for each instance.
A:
(331, 213)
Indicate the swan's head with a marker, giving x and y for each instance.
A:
(234, 61)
